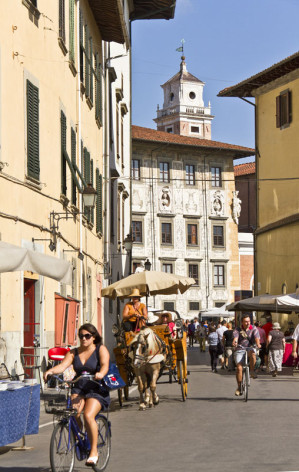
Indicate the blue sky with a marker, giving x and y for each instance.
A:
(226, 41)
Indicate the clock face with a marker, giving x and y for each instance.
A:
(192, 95)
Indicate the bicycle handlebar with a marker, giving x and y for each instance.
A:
(73, 381)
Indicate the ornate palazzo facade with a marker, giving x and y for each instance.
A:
(185, 215)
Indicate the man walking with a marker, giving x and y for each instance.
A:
(220, 332)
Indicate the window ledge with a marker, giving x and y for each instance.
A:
(73, 68)
(33, 182)
(32, 9)
(90, 225)
(62, 46)
(99, 234)
(82, 88)
(64, 200)
(99, 123)
(74, 210)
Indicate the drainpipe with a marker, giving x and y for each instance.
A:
(79, 160)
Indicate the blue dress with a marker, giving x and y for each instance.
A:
(88, 388)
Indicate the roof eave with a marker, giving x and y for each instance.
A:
(153, 10)
(109, 17)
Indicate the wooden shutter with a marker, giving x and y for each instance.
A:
(33, 167)
(278, 112)
(91, 65)
(87, 65)
(73, 157)
(81, 47)
(71, 30)
(289, 106)
(91, 181)
(99, 203)
(62, 20)
(63, 148)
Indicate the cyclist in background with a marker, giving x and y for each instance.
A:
(92, 357)
(245, 337)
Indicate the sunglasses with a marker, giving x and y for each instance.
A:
(86, 336)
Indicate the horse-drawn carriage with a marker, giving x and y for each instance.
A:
(154, 344)
(165, 350)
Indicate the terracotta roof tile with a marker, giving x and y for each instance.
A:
(147, 134)
(244, 169)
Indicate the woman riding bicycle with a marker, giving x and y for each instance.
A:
(91, 357)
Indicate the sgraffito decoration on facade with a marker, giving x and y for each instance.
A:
(137, 200)
(236, 206)
(217, 203)
(191, 204)
(165, 200)
(180, 240)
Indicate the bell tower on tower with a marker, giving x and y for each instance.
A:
(183, 109)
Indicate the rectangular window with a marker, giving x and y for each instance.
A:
(63, 149)
(169, 306)
(284, 109)
(81, 36)
(135, 170)
(169, 130)
(192, 234)
(194, 129)
(71, 30)
(190, 174)
(99, 204)
(216, 176)
(98, 91)
(219, 275)
(86, 60)
(166, 233)
(218, 236)
(168, 268)
(164, 172)
(193, 272)
(73, 157)
(33, 165)
(194, 306)
(62, 20)
(137, 231)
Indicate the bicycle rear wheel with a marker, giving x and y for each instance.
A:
(62, 449)
(104, 444)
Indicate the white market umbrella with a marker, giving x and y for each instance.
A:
(15, 258)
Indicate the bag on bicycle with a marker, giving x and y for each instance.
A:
(113, 379)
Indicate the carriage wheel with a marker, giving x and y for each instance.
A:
(182, 380)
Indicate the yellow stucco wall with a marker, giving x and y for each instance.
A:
(277, 253)
(30, 49)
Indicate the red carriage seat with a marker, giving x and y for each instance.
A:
(57, 353)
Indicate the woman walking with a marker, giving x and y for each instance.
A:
(276, 345)
(213, 347)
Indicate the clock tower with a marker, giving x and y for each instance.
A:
(183, 109)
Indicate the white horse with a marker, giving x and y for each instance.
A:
(148, 351)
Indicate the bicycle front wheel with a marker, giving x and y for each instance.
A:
(246, 383)
(62, 449)
(104, 444)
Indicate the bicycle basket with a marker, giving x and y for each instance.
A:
(55, 404)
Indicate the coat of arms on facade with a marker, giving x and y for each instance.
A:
(165, 198)
(217, 203)
(191, 206)
(236, 207)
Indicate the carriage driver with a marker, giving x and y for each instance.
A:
(134, 312)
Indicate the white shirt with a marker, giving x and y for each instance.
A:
(220, 331)
(295, 334)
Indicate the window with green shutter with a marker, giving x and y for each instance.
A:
(73, 157)
(99, 203)
(91, 70)
(33, 166)
(87, 64)
(62, 20)
(63, 149)
(98, 90)
(81, 35)
(71, 30)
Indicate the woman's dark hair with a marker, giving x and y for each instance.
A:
(212, 329)
(92, 330)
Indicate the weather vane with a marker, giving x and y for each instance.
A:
(181, 48)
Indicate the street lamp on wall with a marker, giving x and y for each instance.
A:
(128, 245)
(147, 264)
(89, 196)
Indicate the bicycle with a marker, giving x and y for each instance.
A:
(245, 384)
(69, 440)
